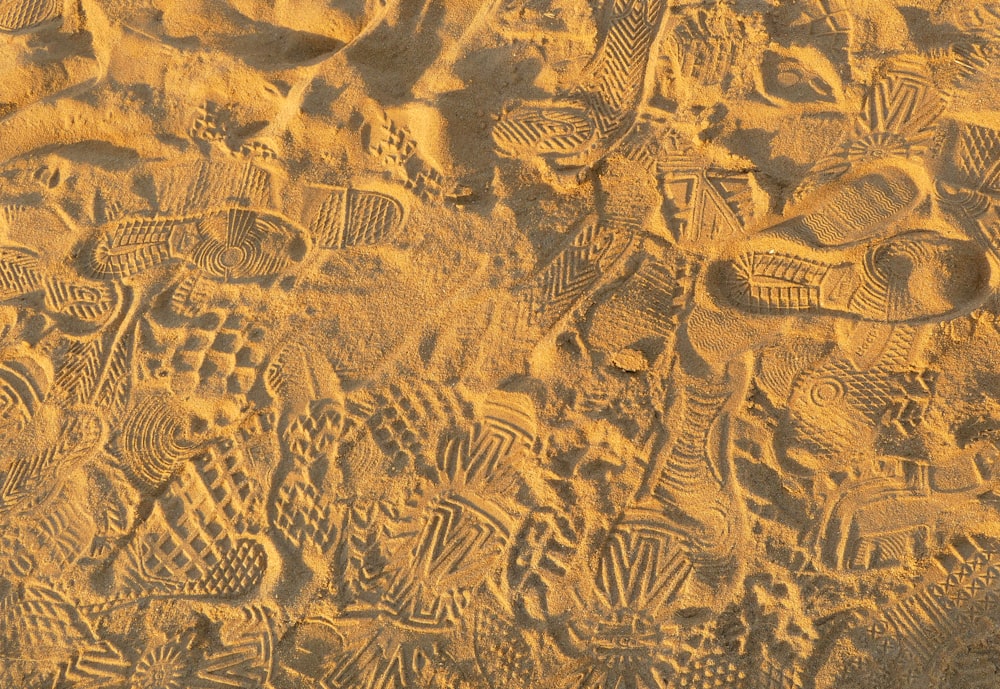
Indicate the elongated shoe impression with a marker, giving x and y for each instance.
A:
(576, 129)
(854, 208)
(912, 276)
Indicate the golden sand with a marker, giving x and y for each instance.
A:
(413, 344)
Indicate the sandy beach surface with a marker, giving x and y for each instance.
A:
(535, 344)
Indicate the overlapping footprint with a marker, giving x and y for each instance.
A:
(837, 257)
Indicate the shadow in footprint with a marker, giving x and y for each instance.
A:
(395, 53)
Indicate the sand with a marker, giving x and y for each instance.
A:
(399, 344)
